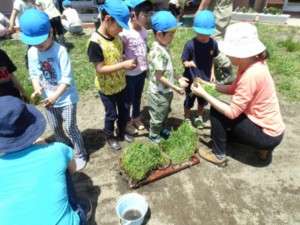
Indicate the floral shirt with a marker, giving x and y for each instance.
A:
(159, 58)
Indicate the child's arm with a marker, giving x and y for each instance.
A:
(12, 20)
(20, 87)
(160, 78)
(104, 69)
(212, 74)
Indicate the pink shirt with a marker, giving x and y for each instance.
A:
(135, 47)
(254, 94)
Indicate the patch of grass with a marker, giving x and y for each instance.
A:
(139, 159)
(180, 147)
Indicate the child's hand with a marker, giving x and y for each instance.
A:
(212, 78)
(50, 101)
(184, 82)
(179, 90)
(189, 64)
(37, 93)
(130, 64)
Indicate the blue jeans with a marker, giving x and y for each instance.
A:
(116, 107)
(134, 90)
(240, 129)
(73, 201)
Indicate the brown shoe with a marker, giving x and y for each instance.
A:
(211, 157)
(130, 129)
(138, 124)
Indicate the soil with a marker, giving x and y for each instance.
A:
(247, 191)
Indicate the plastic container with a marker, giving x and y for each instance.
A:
(131, 209)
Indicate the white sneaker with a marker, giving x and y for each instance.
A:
(80, 163)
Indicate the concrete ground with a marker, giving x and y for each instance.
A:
(246, 192)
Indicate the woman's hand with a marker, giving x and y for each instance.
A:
(198, 90)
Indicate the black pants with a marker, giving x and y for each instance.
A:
(240, 129)
(57, 26)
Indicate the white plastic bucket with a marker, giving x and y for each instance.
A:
(131, 209)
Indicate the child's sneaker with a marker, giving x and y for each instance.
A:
(165, 134)
(130, 129)
(138, 124)
(155, 139)
(198, 123)
(187, 120)
(86, 206)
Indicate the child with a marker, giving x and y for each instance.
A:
(105, 51)
(4, 24)
(48, 7)
(52, 76)
(9, 84)
(176, 7)
(19, 7)
(253, 116)
(70, 18)
(135, 44)
(197, 58)
(160, 92)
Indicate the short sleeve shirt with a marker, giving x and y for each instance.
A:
(33, 186)
(202, 54)
(135, 45)
(6, 69)
(159, 58)
(21, 6)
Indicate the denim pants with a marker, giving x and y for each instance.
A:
(134, 90)
(73, 201)
(116, 107)
(240, 129)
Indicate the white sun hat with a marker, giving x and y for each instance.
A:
(241, 41)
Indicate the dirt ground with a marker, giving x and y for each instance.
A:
(245, 192)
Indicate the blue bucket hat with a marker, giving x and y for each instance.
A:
(35, 27)
(204, 22)
(21, 124)
(118, 10)
(164, 21)
(66, 3)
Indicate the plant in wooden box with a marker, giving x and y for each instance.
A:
(143, 163)
(181, 145)
(139, 160)
(244, 14)
(272, 15)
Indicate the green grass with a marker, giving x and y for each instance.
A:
(139, 159)
(282, 43)
(180, 147)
